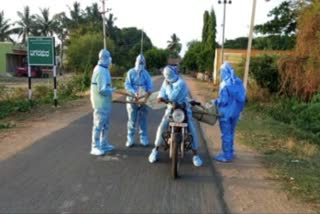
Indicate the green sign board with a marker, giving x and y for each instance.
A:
(41, 51)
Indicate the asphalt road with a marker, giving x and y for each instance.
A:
(58, 175)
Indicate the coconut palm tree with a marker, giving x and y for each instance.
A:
(25, 24)
(174, 45)
(75, 15)
(44, 25)
(61, 30)
(111, 28)
(92, 13)
(5, 30)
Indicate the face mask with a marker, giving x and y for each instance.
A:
(140, 67)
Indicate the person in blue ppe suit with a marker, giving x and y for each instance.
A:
(100, 96)
(174, 89)
(138, 83)
(230, 103)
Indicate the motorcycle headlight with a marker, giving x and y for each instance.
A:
(178, 116)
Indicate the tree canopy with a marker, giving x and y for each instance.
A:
(200, 55)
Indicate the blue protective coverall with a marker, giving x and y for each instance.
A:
(175, 89)
(138, 82)
(100, 96)
(230, 103)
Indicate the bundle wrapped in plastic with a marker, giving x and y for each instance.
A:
(206, 114)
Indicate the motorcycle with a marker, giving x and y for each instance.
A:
(177, 137)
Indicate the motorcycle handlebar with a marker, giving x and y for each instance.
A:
(192, 102)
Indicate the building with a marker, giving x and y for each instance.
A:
(5, 47)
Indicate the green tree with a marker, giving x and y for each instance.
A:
(283, 21)
(238, 43)
(208, 41)
(61, 30)
(25, 24)
(280, 31)
(92, 14)
(44, 25)
(192, 59)
(206, 26)
(174, 45)
(156, 58)
(128, 46)
(274, 42)
(111, 28)
(5, 30)
(82, 52)
(76, 15)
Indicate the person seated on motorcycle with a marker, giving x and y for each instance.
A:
(174, 89)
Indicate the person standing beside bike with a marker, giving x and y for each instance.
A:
(174, 89)
(138, 83)
(230, 103)
(100, 97)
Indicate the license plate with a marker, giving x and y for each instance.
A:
(178, 124)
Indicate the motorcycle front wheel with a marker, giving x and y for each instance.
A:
(175, 160)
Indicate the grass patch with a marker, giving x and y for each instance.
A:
(293, 159)
(14, 100)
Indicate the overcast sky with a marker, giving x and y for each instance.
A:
(161, 18)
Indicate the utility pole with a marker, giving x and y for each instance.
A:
(222, 43)
(224, 2)
(141, 49)
(104, 24)
(104, 11)
(246, 71)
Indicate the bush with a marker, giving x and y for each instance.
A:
(316, 98)
(308, 118)
(264, 70)
(14, 99)
(43, 93)
(9, 106)
(285, 109)
(304, 116)
(299, 71)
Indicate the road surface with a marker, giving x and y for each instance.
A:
(57, 174)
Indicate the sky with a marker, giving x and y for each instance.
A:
(161, 18)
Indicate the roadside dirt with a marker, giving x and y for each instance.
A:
(248, 186)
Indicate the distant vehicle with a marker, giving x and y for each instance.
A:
(22, 71)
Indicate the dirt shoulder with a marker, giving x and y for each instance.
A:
(248, 186)
(39, 123)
